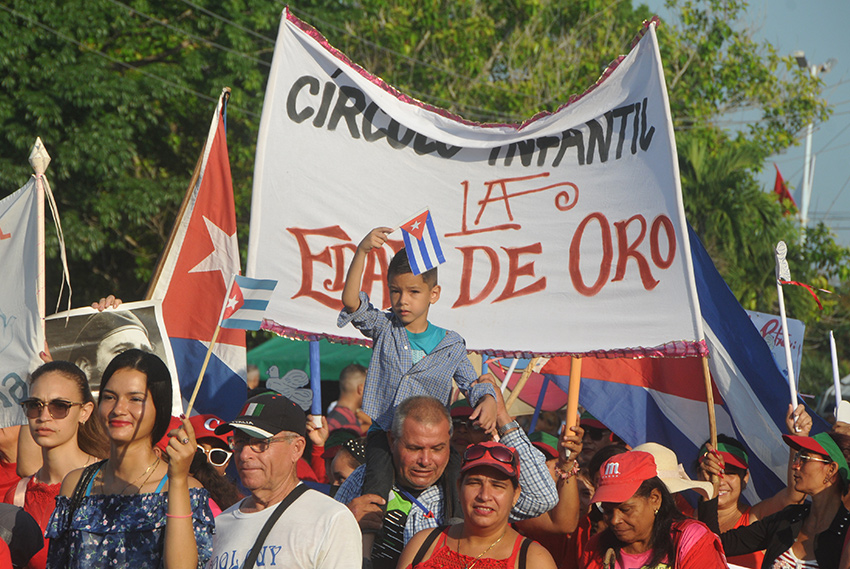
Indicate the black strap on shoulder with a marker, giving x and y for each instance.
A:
(80, 490)
(258, 545)
(523, 552)
(427, 544)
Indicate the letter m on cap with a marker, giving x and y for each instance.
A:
(612, 469)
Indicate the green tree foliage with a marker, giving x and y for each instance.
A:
(122, 91)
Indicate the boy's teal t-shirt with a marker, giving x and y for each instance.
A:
(424, 343)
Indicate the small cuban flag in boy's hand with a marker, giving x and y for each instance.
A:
(246, 302)
(421, 243)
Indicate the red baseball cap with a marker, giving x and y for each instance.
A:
(490, 453)
(621, 475)
(204, 426)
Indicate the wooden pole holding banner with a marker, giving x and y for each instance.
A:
(203, 369)
(523, 379)
(210, 348)
(709, 400)
(572, 392)
(39, 160)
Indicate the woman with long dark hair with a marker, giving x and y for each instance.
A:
(645, 529)
(133, 510)
(59, 412)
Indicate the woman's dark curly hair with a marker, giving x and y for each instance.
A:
(661, 540)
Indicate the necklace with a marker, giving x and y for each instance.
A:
(480, 555)
(149, 471)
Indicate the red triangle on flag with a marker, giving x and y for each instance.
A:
(416, 226)
(235, 301)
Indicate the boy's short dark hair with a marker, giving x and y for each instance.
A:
(400, 265)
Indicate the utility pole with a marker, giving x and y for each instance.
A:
(808, 164)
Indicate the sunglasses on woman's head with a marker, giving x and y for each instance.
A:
(216, 456)
(58, 408)
(502, 454)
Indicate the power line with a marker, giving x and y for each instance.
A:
(407, 57)
(191, 35)
(119, 62)
(229, 22)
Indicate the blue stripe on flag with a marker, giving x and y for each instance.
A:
(411, 258)
(435, 241)
(254, 304)
(426, 255)
(255, 284)
(241, 323)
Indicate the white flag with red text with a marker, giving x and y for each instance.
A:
(564, 234)
(21, 336)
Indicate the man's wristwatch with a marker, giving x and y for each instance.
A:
(503, 430)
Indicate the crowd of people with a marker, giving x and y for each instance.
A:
(405, 471)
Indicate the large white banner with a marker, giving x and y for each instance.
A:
(565, 234)
(21, 337)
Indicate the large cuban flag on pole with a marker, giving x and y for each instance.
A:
(193, 277)
(569, 226)
(663, 400)
(21, 335)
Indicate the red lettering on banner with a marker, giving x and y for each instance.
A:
(308, 258)
(565, 200)
(655, 249)
(334, 256)
(338, 252)
(464, 298)
(515, 271)
(627, 250)
(4, 235)
(575, 256)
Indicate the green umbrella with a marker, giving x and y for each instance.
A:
(289, 354)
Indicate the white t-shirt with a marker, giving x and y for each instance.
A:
(315, 532)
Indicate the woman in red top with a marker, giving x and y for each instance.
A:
(59, 412)
(644, 527)
(488, 488)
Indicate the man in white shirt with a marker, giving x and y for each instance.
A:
(314, 532)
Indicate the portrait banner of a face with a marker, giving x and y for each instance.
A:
(90, 339)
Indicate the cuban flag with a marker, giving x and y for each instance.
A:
(192, 281)
(421, 243)
(663, 400)
(246, 303)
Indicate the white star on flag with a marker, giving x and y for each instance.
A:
(220, 259)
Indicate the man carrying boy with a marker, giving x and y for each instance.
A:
(410, 357)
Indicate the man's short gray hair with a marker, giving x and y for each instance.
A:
(422, 409)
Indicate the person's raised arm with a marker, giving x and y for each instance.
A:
(351, 291)
(181, 548)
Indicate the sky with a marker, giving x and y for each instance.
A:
(819, 28)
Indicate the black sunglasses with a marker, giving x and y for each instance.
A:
(594, 433)
(500, 453)
(58, 408)
(466, 424)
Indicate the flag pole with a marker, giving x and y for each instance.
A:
(39, 160)
(187, 198)
(210, 349)
(523, 379)
(509, 374)
(573, 392)
(537, 408)
(836, 378)
(783, 273)
(709, 400)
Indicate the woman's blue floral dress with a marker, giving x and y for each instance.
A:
(122, 531)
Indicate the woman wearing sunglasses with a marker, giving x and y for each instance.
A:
(805, 536)
(59, 413)
(133, 510)
(488, 488)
